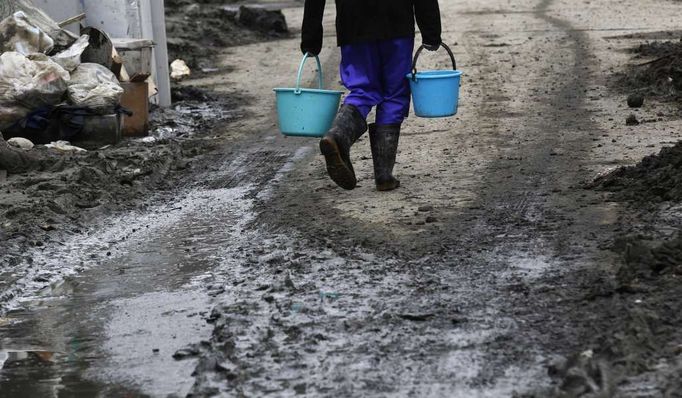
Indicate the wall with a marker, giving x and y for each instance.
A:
(61, 10)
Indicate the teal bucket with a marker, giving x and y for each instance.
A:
(306, 112)
(435, 93)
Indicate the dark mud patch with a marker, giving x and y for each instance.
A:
(656, 71)
(642, 295)
(200, 30)
(657, 178)
(65, 192)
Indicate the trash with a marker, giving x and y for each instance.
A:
(179, 70)
(62, 38)
(97, 130)
(64, 146)
(70, 58)
(136, 55)
(635, 101)
(18, 33)
(94, 86)
(136, 99)
(21, 143)
(11, 113)
(100, 48)
(28, 83)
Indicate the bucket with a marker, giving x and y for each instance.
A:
(307, 112)
(435, 93)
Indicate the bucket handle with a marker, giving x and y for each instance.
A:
(300, 72)
(419, 51)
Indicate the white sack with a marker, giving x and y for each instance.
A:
(94, 86)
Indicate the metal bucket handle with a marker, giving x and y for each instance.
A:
(300, 72)
(419, 51)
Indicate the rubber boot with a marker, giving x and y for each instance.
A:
(384, 142)
(348, 127)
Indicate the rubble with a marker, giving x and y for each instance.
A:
(21, 143)
(18, 33)
(95, 87)
(179, 70)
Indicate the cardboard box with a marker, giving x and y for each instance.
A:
(136, 99)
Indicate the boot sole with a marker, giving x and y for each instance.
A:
(389, 186)
(336, 167)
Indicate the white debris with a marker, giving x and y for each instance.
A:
(28, 83)
(94, 86)
(18, 33)
(70, 59)
(64, 146)
(179, 70)
(21, 143)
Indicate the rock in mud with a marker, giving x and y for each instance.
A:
(635, 101)
(21, 143)
(631, 120)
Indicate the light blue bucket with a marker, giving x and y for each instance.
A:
(435, 93)
(307, 112)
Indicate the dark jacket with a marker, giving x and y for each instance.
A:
(360, 21)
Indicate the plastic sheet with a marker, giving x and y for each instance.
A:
(19, 33)
(62, 38)
(70, 58)
(28, 83)
(94, 86)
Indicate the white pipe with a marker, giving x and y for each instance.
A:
(158, 19)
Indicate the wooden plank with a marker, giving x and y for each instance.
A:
(72, 20)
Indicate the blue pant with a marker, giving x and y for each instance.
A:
(375, 75)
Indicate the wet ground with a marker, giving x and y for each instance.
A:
(496, 271)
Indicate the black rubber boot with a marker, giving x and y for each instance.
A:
(348, 127)
(384, 141)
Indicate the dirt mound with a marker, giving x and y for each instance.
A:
(199, 30)
(659, 72)
(657, 178)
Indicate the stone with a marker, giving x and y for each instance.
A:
(21, 143)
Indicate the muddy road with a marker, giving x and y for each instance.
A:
(490, 273)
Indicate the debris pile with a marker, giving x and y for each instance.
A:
(657, 178)
(57, 88)
(659, 72)
(197, 31)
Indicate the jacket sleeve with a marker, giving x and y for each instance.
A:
(312, 31)
(427, 13)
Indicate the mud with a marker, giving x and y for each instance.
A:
(199, 31)
(655, 70)
(492, 272)
(64, 193)
(656, 178)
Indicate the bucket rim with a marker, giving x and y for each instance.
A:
(307, 90)
(436, 74)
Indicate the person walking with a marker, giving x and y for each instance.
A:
(376, 38)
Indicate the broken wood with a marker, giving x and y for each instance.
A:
(71, 20)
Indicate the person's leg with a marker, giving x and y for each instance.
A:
(396, 63)
(396, 56)
(360, 73)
